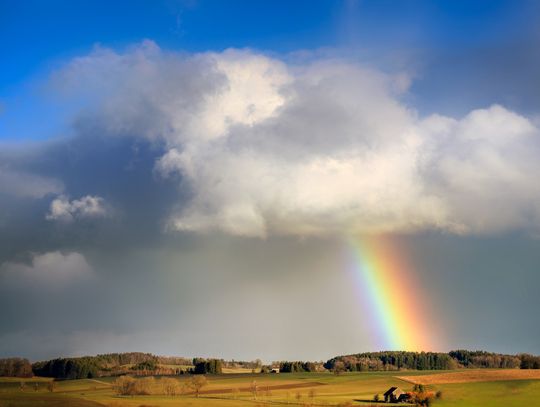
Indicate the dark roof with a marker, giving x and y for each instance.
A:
(393, 390)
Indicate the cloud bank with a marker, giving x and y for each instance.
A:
(47, 270)
(268, 147)
(20, 184)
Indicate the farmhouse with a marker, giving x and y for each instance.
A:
(395, 395)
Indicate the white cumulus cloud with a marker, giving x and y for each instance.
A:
(62, 209)
(328, 146)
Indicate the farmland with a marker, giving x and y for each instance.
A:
(474, 375)
(473, 388)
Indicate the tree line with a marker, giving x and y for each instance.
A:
(136, 363)
(111, 364)
(297, 367)
(128, 358)
(68, 368)
(529, 361)
(391, 361)
(15, 367)
(118, 364)
(482, 359)
(397, 360)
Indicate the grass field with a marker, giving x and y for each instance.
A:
(475, 375)
(294, 389)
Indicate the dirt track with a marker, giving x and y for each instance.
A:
(477, 375)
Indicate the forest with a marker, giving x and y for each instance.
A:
(455, 359)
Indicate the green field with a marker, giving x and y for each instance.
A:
(272, 389)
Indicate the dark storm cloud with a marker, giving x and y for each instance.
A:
(120, 170)
(119, 286)
(486, 288)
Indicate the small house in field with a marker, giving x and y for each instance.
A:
(394, 395)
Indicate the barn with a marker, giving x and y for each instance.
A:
(394, 395)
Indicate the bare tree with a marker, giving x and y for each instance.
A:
(125, 385)
(254, 388)
(51, 386)
(311, 394)
(197, 383)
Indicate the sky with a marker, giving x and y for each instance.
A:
(270, 179)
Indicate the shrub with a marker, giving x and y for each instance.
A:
(125, 386)
(146, 386)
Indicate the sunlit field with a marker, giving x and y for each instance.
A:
(304, 389)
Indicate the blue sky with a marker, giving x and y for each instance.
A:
(36, 37)
(207, 154)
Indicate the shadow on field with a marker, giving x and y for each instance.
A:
(379, 403)
(287, 386)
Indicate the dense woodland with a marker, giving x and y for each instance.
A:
(144, 364)
(112, 364)
(529, 361)
(294, 367)
(138, 364)
(392, 361)
(481, 359)
(207, 366)
(68, 368)
(430, 361)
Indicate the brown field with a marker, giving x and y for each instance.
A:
(476, 375)
(287, 386)
(238, 370)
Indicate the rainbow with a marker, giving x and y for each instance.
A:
(390, 295)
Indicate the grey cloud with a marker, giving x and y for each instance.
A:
(47, 270)
(174, 299)
(22, 184)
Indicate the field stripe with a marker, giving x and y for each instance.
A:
(469, 376)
